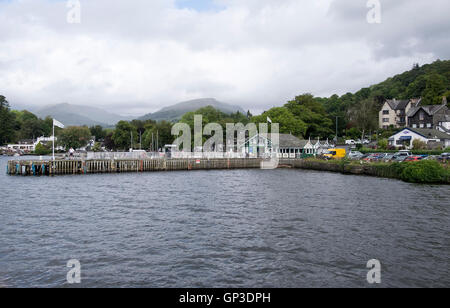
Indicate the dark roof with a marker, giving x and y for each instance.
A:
(431, 109)
(430, 133)
(289, 141)
(398, 104)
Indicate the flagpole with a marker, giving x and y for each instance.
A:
(53, 140)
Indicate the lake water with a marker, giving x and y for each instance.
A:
(239, 228)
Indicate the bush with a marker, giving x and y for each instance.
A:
(426, 171)
(383, 144)
(97, 147)
(41, 149)
(419, 144)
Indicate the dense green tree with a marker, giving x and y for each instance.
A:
(364, 116)
(7, 122)
(31, 126)
(289, 124)
(74, 137)
(157, 135)
(383, 144)
(353, 133)
(42, 149)
(109, 142)
(124, 135)
(98, 132)
(312, 112)
(436, 86)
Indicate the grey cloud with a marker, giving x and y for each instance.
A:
(257, 53)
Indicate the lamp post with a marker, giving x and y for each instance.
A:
(337, 128)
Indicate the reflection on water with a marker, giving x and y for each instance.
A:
(239, 228)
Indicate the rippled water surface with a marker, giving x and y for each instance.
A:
(240, 228)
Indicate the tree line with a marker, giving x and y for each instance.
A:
(305, 116)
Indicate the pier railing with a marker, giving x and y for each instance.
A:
(172, 155)
(75, 166)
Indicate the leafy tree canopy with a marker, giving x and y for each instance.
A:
(74, 137)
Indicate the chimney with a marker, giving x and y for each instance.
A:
(444, 101)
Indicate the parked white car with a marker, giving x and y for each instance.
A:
(350, 142)
(355, 155)
(401, 156)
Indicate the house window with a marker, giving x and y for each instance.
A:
(385, 120)
(385, 112)
(429, 125)
(422, 116)
(414, 126)
(422, 125)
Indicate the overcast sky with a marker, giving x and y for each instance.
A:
(136, 56)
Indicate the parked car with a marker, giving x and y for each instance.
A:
(401, 156)
(374, 157)
(444, 157)
(350, 142)
(432, 157)
(368, 158)
(380, 157)
(413, 158)
(388, 157)
(355, 155)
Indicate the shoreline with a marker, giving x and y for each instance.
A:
(425, 172)
(398, 171)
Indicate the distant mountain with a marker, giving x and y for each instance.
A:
(80, 115)
(175, 112)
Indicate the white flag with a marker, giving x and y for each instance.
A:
(58, 124)
(269, 120)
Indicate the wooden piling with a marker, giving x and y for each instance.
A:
(73, 167)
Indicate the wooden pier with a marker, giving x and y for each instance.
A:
(68, 167)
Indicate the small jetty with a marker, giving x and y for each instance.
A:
(71, 167)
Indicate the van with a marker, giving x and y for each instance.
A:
(335, 153)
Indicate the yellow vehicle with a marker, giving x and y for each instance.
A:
(335, 154)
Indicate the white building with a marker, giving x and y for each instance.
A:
(407, 136)
(28, 146)
(289, 146)
(444, 125)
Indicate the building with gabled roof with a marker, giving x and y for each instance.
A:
(432, 137)
(432, 116)
(394, 112)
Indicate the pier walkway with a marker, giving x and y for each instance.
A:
(66, 167)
